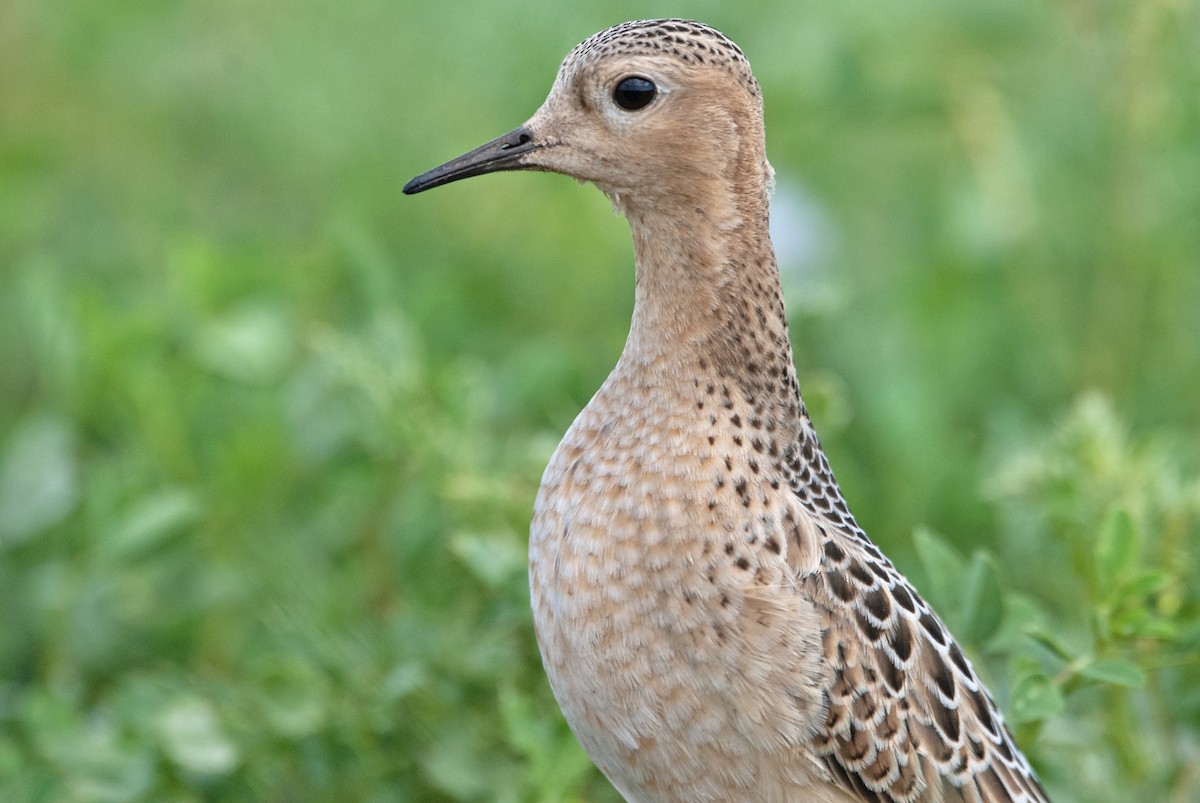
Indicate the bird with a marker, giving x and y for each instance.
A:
(714, 623)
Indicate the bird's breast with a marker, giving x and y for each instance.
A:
(658, 579)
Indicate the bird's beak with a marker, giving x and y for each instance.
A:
(503, 153)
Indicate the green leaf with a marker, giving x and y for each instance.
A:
(194, 739)
(1143, 623)
(1050, 641)
(1116, 549)
(293, 697)
(252, 344)
(1147, 581)
(556, 762)
(154, 519)
(526, 732)
(983, 600)
(495, 558)
(945, 567)
(39, 477)
(1022, 617)
(1035, 697)
(1115, 672)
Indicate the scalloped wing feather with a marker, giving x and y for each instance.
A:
(908, 719)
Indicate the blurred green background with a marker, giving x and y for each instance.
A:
(270, 432)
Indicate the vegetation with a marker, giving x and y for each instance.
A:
(270, 432)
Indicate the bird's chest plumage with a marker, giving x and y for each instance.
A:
(614, 537)
(652, 570)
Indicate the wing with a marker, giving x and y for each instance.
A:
(908, 719)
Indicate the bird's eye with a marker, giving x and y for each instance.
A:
(634, 92)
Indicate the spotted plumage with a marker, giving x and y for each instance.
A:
(714, 623)
(684, 40)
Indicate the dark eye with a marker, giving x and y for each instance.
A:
(634, 92)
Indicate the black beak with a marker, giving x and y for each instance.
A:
(502, 153)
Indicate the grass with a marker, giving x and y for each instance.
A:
(270, 432)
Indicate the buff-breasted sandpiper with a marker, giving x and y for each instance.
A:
(713, 621)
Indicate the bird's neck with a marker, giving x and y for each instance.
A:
(708, 300)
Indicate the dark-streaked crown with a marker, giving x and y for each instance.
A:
(687, 40)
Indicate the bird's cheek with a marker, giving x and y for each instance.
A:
(556, 156)
(569, 159)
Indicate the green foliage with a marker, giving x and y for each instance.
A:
(969, 593)
(1111, 645)
(1117, 633)
(270, 432)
